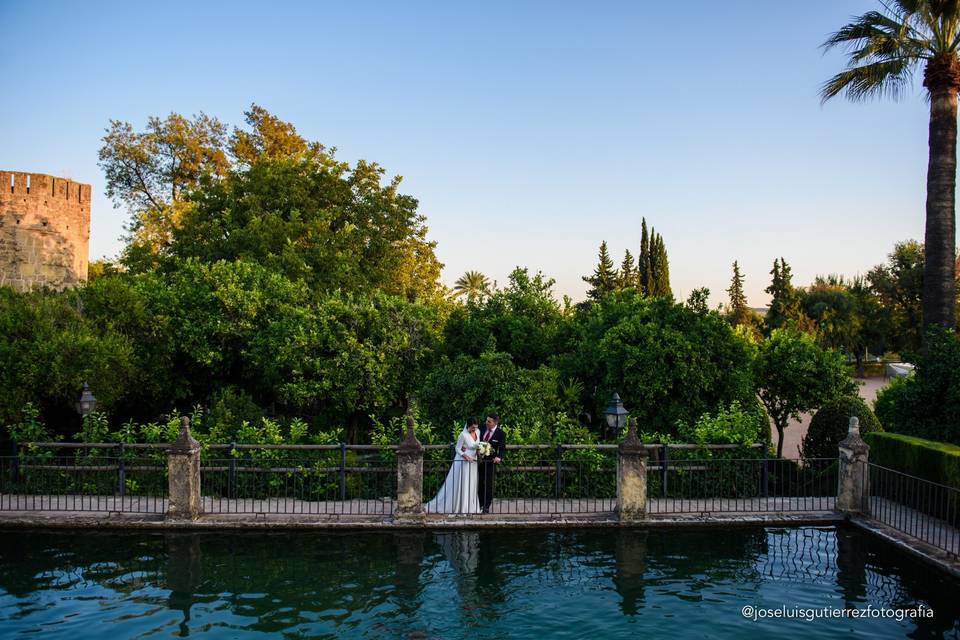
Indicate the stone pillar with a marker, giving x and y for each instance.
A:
(853, 491)
(632, 477)
(409, 477)
(183, 470)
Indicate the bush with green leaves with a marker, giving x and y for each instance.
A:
(926, 404)
(49, 347)
(735, 424)
(831, 423)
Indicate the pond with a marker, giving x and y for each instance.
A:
(532, 583)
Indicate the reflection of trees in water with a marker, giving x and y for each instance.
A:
(31, 561)
(278, 581)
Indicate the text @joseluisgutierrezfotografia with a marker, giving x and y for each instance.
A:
(810, 614)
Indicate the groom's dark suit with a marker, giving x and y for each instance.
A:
(487, 469)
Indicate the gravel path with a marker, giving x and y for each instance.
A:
(797, 429)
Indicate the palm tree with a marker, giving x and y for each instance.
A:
(886, 48)
(471, 284)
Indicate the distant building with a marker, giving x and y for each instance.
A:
(44, 231)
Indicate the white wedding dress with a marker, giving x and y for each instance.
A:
(459, 491)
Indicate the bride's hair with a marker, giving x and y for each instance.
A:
(472, 421)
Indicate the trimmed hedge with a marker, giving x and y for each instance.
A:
(934, 461)
(830, 425)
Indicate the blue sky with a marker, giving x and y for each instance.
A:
(529, 131)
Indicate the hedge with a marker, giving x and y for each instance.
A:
(830, 425)
(934, 461)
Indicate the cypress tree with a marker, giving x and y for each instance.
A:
(659, 267)
(643, 261)
(604, 278)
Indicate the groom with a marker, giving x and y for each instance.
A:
(493, 434)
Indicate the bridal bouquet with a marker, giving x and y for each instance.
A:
(484, 449)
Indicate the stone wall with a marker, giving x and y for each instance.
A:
(44, 231)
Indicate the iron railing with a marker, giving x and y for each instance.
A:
(111, 477)
(699, 485)
(341, 479)
(922, 509)
(298, 479)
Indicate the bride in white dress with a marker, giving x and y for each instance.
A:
(459, 491)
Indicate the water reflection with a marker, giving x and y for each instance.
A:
(453, 584)
(629, 577)
(182, 576)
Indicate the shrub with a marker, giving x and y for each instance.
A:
(830, 425)
(30, 428)
(927, 404)
(731, 425)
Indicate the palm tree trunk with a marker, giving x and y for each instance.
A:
(942, 79)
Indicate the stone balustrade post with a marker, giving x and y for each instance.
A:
(183, 473)
(853, 491)
(632, 477)
(409, 477)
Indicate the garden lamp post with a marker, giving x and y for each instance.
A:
(616, 415)
(87, 403)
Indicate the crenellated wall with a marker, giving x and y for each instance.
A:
(44, 231)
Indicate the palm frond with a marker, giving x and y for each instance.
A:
(888, 78)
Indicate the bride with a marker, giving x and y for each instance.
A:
(459, 491)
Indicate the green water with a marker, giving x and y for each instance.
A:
(589, 583)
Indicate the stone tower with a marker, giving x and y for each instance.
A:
(44, 231)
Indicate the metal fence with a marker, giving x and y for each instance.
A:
(85, 477)
(917, 507)
(361, 480)
(681, 479)
(299, 479)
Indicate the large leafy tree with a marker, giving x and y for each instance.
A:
(794, 375)
(898, 285)
(267, 136)
(150, 171)
(333, 226)
(669, 362)
(886, 49)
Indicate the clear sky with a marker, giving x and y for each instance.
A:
(529, 131)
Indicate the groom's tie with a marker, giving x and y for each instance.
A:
(488, 435)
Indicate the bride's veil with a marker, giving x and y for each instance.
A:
(464, 433)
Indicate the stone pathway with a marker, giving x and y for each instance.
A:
(384, 507)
